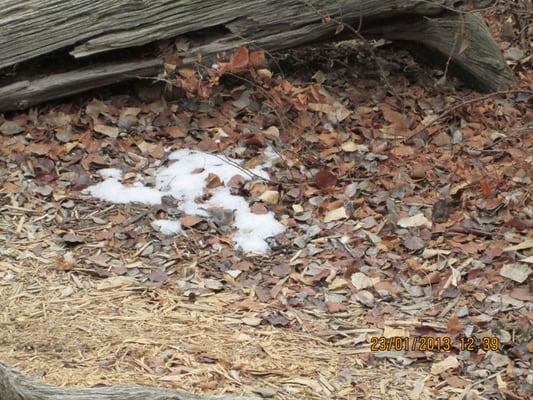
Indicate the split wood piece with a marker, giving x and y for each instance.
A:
(32, 28)
(15, 386)
(29, 92)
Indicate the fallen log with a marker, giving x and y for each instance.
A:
(15, 386)
(25, 93)
(36, 33)
(463, 38)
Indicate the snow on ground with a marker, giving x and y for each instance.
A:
(185, 179)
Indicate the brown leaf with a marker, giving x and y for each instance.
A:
(281, 270)
(236, 181)
(213, 181)
(399, 121)
(456, 382)
(258, 208)
(403, 151)
(454, 326)
(240, 59)
(175, 132)
(111, 131)
(484, 187)
(334, 307)
(38, 148)
(72, 238)
(257, 57)
(257, 140)
(325, 180)
(414, 243)
(190, 220)
(522, 293)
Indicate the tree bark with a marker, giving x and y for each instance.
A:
(465, 40)
(85, 31)
(14, 386)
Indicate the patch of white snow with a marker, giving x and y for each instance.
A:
(185, 179)
(167, 227)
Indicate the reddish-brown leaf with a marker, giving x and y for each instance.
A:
(325, 180)
(257, 58)
(256, 140)
(175, 132)
(213, 181)
(334, 307)
(240, 59)
(484, 187)
(190, 220)
(258, 208)
(454, 326)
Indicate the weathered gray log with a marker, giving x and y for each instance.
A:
(31, 29)
(25, 93)
(15, 386)
(465, 39)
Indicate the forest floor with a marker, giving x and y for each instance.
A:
(404, 202)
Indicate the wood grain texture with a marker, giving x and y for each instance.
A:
(28, 92)
(15, 386)
(81, 28)
(466, 41)
(30, 28)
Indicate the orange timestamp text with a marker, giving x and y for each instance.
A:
(430, 343)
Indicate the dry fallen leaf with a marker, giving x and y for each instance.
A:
(213, 181)
(334, 307)
(414, 222)
(190, 220)
(240, 59)
(527, 244)
(444, 365)
(9, 128)
(325, 180)
(270, 197)
(390, 331)
(335, 215)
(361, 281)
(516, 272)
(454, 325)
(349, 147)
(111, 131)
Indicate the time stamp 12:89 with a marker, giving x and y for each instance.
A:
(430, 343)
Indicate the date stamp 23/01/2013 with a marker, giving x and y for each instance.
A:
(430, 343)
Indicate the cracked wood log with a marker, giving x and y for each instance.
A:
(15, 386)
(83, 31)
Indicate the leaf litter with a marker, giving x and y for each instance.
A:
(256, 244)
